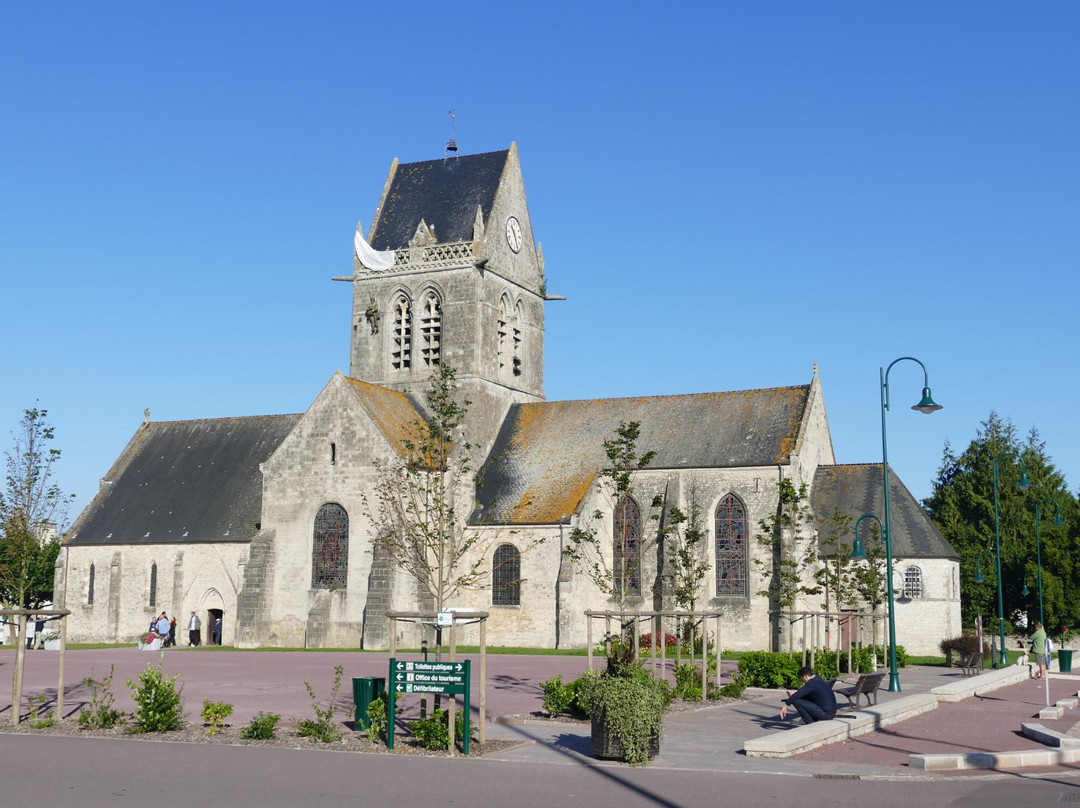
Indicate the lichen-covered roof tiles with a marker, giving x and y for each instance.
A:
(394, 413)
(444, 193)
(857, 489)
(548, 453)
(185, 482)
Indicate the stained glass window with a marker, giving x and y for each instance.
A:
(731, 548)
(506, 576)
(330, 548)
(627, 546)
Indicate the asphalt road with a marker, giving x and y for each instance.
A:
(103, 773)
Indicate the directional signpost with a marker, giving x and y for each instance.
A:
(440, 678)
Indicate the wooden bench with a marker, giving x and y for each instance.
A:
(973, 664)
(866, 685)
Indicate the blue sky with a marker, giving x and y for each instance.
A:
(726, 193)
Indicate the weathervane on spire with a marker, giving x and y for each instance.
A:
(451, 147)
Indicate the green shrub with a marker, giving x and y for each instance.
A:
(214, 715)
(322, 727)
(377, 721)
(687, 682)
(964, 645)
(100, 713)
(158, 703)
(433, 732)
(732, 690)
(557, 696)
(582, 690)
(37, 704)
(765, 669)
(263, 727)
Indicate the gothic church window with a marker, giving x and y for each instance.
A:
(506, 576)
(90, 586)
(913, 582)
(430, 328)
(401, 348)
(731, 548)
(626, 536)
(330, 548)
(153, 585)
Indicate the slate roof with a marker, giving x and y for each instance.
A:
(444, 193)
(857, 489)
(185, 482)
(548, 453)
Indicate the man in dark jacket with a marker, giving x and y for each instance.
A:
(814, 701)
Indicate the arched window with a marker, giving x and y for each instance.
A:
(626, 535)
(90, 586)
(401, 349)
(430, 328)
(913, 582)
(330, 548)
(731, 548)
(153, 585)
(506, 576)
(503, 333)
(519, 318)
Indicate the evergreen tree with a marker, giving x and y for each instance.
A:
(962, 506)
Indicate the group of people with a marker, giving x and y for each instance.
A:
(164, 627)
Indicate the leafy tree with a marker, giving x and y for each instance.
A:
(422, 500)
(684, 537)
(789, 567)
(585, 547)
(31, 506)
(962, 506)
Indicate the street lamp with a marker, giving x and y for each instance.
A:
(1025, 591)
(926, 405)
(1023, 485)
(1038, 546)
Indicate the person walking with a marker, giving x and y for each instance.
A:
(1038, 648)
(194, 631)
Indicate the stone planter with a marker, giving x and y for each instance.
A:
(606, 746)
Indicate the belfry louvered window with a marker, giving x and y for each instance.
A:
(626, 536)
(401, 350)
(153, 585)
(731, 548)
(430, 328)
(330, 548)
(506, 576)
(519, 317)
(502, 334)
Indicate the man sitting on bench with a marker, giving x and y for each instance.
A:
(814, 701)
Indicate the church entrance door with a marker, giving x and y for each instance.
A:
(214, 625)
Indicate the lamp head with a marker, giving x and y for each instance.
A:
(1058, 520)
(927, 405)
(1025, 591)
(979, 579)
(1024, 483)
(857, 551)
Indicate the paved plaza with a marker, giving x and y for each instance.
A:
(706, 740)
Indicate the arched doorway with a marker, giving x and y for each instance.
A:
(213, 608)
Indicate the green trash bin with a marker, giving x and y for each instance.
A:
(1065, 660)
(366, 689)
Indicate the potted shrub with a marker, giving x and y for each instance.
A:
(627, 709)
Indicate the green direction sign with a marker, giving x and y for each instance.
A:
(441, 678)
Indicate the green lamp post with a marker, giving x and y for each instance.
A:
(926, 405)
(1038, 547)
(1023, 485)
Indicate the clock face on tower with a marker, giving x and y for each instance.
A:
(513, 234)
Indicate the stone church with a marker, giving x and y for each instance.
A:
(260, 521)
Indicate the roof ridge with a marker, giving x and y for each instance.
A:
(224, 418)
(458, 157)
(673, 395)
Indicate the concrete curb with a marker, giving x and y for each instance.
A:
(983, 683)
(1050, 737)
(995, 760)
(803, 738)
